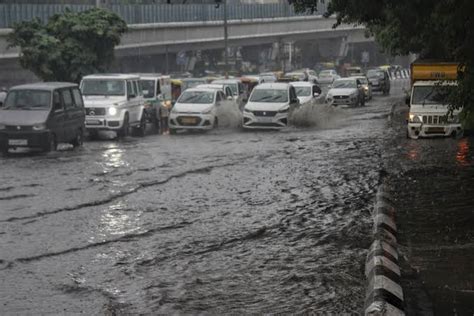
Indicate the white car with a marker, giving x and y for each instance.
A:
(306, 91)
(346, 91)
(269, 106)
(226, 89)
(327, 77)
(196, 109)
(113, 102)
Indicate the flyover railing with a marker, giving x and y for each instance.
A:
(11, 13)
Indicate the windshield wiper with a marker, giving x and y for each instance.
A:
(427, 96)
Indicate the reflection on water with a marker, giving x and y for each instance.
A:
(462, 155)
(117, 220)
(413, 153)
(113, 158)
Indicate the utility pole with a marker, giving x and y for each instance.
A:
(226, 53)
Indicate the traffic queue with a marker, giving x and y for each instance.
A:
(42, 115)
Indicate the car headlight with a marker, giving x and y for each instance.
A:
(247, 110)
(39, 127)
(366, 89)
(112, 111)
(207, 111)
(413, 118)
(284, 110)
(454, 119)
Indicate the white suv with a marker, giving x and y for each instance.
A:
(270, 105)
(113, 102)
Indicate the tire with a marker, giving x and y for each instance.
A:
(52, 144)
(79, 139)
(362, 103)
(93, 134)
(4, 151)
(216, 123)
(123, 132)
(140, 130)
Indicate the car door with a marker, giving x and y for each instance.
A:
(140, 100)
(132, 103)
(56, 119)
(69, 105)
(78, 113)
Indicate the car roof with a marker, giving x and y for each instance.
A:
(301, 84)
(211, 86)
(224, 81)
(273, 85)
(201, 89)
(112, 76)
(346, 79)
(358, 77)
(47, 86)
(152, 76)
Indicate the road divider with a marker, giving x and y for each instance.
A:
(384, 295)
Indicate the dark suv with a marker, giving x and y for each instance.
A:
(41, 115)
(380, 80)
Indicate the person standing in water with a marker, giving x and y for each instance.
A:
(164, 115)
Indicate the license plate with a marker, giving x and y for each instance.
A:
(93, 122)
(265, 119)
(17, 142)
(436, 130)
(188, 120)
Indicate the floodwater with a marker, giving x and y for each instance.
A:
(196, 223)
(431, 181)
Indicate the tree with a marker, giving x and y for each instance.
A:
(69, 45)
(442, 29)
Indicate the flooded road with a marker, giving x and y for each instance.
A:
(432, 181)
(220, 222)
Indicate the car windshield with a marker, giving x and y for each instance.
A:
(431, 94)
(375, 74)
(28, 100)
(201, 97)
(188, 84)
(363, 80)
(303, 91)
(325, 73)
(148, 88)
(108, 87)
(269, 95)
(341, 84)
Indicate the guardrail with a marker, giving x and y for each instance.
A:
(154, 13)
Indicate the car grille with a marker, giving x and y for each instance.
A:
(265, 113)
(434, 119)
(95, 111)
(18, 128)
(341, 97)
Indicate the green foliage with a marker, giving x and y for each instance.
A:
(442, 29)
(69, 45)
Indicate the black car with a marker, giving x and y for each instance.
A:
(41, 115)
(380, 80)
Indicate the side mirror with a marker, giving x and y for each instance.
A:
(407, 101)
(160, 97)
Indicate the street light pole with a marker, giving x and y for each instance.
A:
(226, 53)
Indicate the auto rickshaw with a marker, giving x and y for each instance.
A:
(249, 82)
(176, 86)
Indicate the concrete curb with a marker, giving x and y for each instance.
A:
(384, 295)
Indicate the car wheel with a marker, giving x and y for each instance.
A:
(140, 130)
(52, 144)
(79, 139)
(216, 123)
(123, 132)
(4, 151)
(93, 134)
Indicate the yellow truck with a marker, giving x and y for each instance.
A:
(431, 85)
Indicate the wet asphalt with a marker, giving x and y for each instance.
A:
(196, 223)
